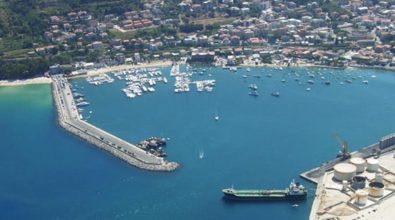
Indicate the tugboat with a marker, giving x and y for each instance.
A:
(295, 191)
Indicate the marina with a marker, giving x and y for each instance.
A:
(69, 119)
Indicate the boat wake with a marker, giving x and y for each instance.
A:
(201, 154)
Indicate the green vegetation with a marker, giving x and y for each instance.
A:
(15, 69)
(23, 22)
(188, 28)
(211, 29)
(333, 6)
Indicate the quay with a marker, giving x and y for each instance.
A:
(69, 119)
(361, 186)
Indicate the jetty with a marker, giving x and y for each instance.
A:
(69, 119)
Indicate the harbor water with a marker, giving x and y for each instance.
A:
(257, 142)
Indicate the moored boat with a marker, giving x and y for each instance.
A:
(253, 86)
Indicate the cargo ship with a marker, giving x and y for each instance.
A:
(295, 191)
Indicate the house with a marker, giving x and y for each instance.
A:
(97, 45)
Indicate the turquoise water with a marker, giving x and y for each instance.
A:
(258, 142)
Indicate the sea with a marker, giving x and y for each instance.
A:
(258, 142)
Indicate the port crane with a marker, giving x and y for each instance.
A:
(343, 153)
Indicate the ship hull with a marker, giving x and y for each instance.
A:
(265, 198)
(262, 195)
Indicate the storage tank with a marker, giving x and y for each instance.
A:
(360, 163)
(373, 165)
(361, 197)
(376, 189)
(344, 171)
(358, 182)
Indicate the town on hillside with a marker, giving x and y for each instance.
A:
(336, 33)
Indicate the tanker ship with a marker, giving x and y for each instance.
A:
(295, 191)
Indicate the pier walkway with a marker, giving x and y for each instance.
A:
(69, 119)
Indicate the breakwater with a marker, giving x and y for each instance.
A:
(69, 119)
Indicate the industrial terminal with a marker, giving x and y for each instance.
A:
(357, 185)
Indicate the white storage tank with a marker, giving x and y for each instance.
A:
(361, 197)
(373, 165)
(344, 171)
(376, 189)
(360, 163)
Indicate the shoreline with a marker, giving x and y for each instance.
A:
(23, 82)
(310, 65)
(165, 63)
(108, 69)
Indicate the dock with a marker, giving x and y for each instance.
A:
(69, 119)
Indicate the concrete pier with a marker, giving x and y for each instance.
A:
(69, 119)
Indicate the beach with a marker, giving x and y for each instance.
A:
(47, 80)
(20, 82)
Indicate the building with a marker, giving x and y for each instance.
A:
(202, 57)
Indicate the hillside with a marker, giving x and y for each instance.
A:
(23, 22)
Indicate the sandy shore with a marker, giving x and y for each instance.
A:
(124, 67)
(37, 80)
